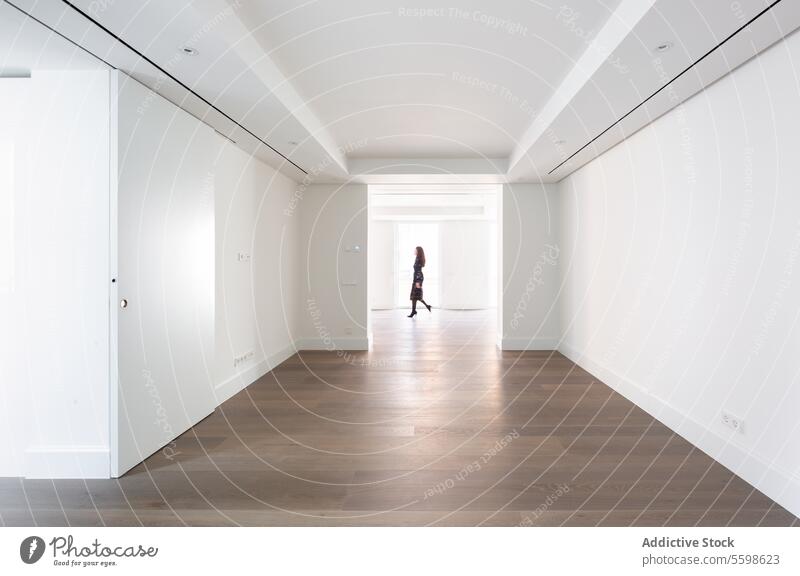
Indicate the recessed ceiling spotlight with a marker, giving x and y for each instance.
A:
(559, 142)
(293, 142)
(189, 51)
(663, 47)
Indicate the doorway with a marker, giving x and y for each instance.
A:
(457, 227)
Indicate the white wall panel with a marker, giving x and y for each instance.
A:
(54, 304)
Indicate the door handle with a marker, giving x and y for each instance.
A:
(123, 303)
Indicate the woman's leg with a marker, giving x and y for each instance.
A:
(428, 306)
(413, 307)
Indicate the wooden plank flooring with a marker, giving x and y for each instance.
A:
(434, 426)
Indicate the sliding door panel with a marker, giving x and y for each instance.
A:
(165, 274)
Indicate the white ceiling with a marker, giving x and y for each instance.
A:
(429, 83)
(27, 45)
(467, 91)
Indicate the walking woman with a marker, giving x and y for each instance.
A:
(416, 285)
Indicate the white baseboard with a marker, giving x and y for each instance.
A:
(782, 486)
(247, 376)
(67, 462)
(348, 343)
(528, 343)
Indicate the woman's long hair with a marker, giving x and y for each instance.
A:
(420, 256)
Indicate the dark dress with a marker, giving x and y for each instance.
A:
(416, 293)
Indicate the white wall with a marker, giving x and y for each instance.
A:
(332, 313)
(500, 269)
(257, 269)
(468, 267)
(55, 313)
(13, 394)
(679, 253)
(529, 268)
(54, 294)
(382, 272)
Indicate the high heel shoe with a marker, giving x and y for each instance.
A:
(428, 306)
(413, 313)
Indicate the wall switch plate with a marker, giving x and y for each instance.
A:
(733, 422)
(243, 257)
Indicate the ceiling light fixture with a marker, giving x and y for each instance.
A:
(189, 51)
(293, 142)
(663, 47)
(559, 142)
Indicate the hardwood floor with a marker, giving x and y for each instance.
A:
(434, 426)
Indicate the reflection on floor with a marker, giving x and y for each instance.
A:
(433, 426)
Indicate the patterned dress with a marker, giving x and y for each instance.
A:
(416, 293)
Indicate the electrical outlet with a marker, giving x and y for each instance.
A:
(733, 422)
(239, 360)
(243, 257)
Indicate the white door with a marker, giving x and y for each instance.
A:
(164, 288)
